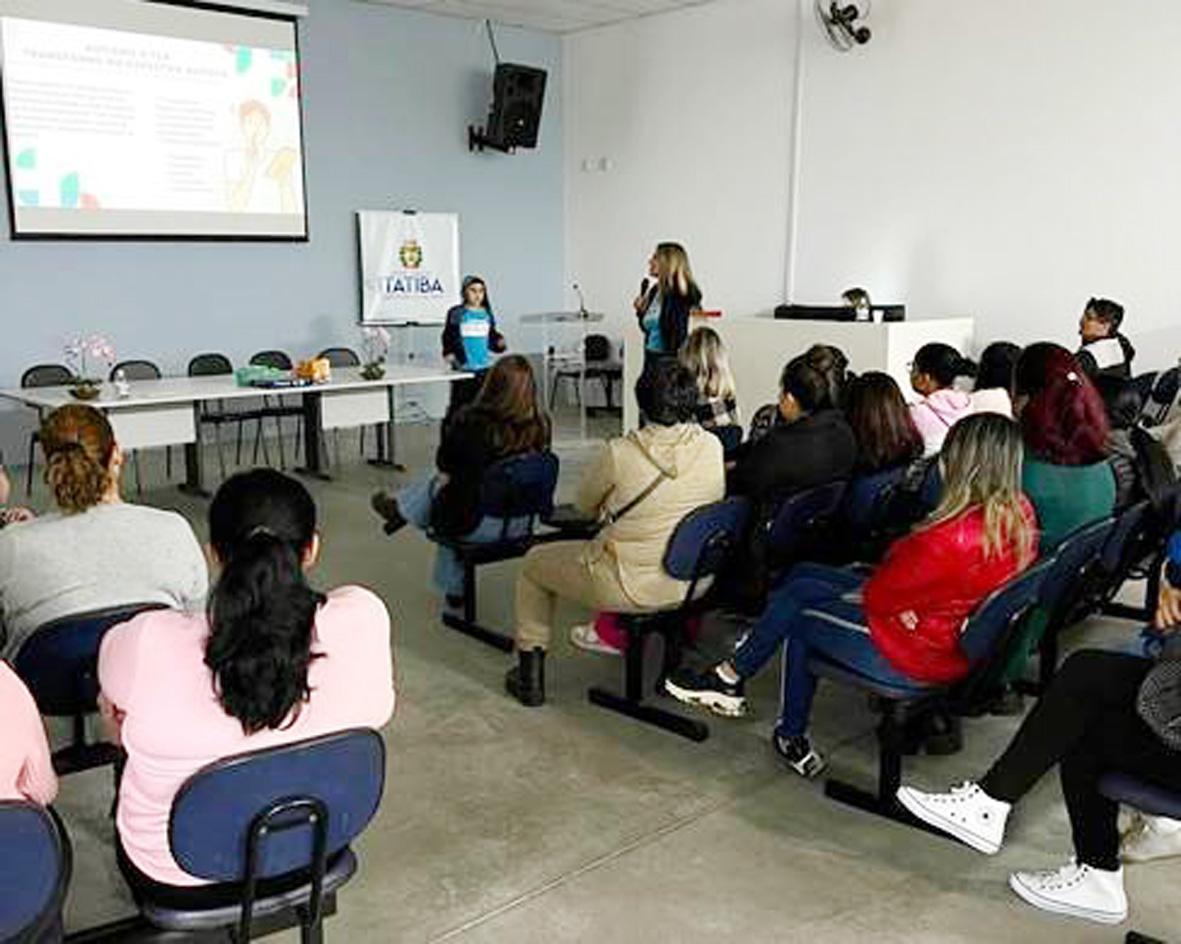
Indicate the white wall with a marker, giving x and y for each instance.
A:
(1004, 159)
(691, 111)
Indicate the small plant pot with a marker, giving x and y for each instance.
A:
(86, 389)
(373, 371)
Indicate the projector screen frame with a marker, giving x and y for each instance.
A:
(306, 236)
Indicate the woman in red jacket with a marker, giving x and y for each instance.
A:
(903, 623)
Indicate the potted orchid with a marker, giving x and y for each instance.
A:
(375, 347)
(81, 355)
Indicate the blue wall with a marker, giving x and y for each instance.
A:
(388, 95)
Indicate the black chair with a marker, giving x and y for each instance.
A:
(513, 489)
(730, 436)
(59, 664)
(283, 812)
(696, 551)
(41, 375)
(1135, 551)
(276, 407)
(598, 363)
(1076, 573)
(216, 414)
(986, 641)
(34, 873)
(139, 369)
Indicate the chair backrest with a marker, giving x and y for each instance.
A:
(596, 348)
(866, 499)
(1119, 545)
(341, 356)
(210, 365)
(704, 539)
(520, 487)
(59, 661)
(1163, 396)
(986, 628)
(801, 515)
(46, 375)
(730, 435)
(137, 369)
(1077, 557)
(276, 359)
(217, 808)
(1143, 385)
(34, 871)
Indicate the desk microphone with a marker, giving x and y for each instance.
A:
(582, 312)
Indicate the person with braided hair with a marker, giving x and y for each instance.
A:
(96, 551)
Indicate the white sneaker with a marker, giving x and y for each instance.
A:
(966, 812)
(584, 637)
(1076, 890)
(1151, 837)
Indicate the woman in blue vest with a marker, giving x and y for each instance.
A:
(470, 340)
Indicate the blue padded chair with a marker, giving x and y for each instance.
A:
(34, 873)
(730, 436)
(1164, 392)
(985, 640)
(800, 526)
(866, 499)
(696, 550)
(519, 487)
(1076, 573)
(268, 814)
(59, 664)
(1135, 551)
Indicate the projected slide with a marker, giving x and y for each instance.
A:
(147, 131)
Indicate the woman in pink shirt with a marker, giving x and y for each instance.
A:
(26, 771)
(271, 662)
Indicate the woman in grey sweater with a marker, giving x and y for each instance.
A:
(96, 551)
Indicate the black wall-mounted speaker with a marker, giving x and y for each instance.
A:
(518, 93)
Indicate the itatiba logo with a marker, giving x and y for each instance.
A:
(412, 281)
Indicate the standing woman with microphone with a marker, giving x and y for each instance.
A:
(663, 306)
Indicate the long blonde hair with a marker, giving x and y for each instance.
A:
(705, 355)
(981, 466)
(673, 273)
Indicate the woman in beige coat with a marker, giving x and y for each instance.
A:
(643, 484)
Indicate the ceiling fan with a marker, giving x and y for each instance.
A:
(840, 23)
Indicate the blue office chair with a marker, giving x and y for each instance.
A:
(286, 812)
(730, 436)
(1075, 575)
(519, 492)
(985, 641)
(59, 664)
(800, 528)
(696, 551)
(34, 873)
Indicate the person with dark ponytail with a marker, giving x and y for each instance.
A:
(1065, 427)
(933, 374)
(97, 551)
(271, 661)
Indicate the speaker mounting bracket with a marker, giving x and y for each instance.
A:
(477, 140)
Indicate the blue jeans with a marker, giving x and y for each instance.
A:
(414, 503)
(833, 626)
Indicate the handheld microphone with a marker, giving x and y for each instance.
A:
(582, 312)
(643, 287)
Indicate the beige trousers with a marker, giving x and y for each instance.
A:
(557, 570)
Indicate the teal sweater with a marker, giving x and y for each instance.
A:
(1066, 497)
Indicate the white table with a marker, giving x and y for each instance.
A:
(759, 347)
(167, 412)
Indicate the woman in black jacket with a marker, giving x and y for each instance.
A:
(470, 340)
(663, 307)
(506, 419)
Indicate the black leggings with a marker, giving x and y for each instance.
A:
(1086, 722)
(201, 897)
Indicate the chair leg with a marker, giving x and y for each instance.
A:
(553, 390)
(632, 703)
(221, 455)
(168, 462)
(279, 436)
(467, 624)
(139, 484)
(32, 462)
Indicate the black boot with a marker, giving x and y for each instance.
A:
(385, 506)
(526, 680)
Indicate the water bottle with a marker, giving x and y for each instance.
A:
(122, 386)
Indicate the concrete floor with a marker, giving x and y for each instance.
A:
(568, 823)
